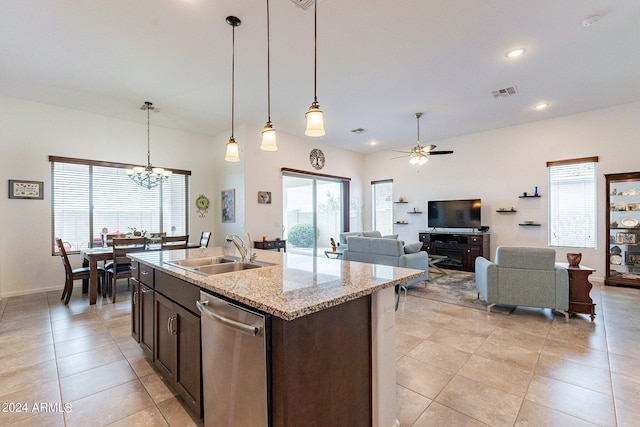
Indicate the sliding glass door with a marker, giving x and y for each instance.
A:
(313, 212)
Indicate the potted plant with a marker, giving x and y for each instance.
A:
(334, 244)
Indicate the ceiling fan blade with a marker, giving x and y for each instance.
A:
(440, 152)
(400, 157)
(399, 151)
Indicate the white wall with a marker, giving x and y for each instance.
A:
(29, 133)
(498, 166)
(261, 171)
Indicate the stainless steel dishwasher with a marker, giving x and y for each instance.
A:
(234, 366)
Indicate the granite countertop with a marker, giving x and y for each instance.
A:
(294, 286)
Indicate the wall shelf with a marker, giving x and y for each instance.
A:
(507, 211)
(401, 223)
(400, 202)
(529, 225)
(415, 212)
(528, 197)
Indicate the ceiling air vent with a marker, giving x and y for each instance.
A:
(503, 93)
(304, 4)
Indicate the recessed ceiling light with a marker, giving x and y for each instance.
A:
(514, 53)
(372, 142)
(541, 105)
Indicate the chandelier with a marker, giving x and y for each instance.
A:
(149, 176)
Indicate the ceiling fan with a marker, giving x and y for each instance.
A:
(419, 154)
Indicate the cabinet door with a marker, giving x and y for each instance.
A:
(164, 337)
(145, 304)
(470, 255)
(188, 380)
(135, 309)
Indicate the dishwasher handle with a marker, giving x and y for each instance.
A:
(233, 324)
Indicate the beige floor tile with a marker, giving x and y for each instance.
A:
(145, 418)
(74, 320)
(34, 326)
(421, 377)
(28, 376)
(530, 320)
(625, 365)
(42, 419)
(41, 393)
(416, 327)
(481, 402)
(406, 342)
(157, 387)
(18, 343)
(496, 374)
(109, 405)
(83, 330)
(628, 413)
(82, 344)
(595, 379)
(442, 416)
(461, 339)
(140, 365)
(24, 359)
(448, 358)
(94, 380)
(88, 360)
(177, 415)
(518, 338)
(582, 354)
(533, 415)
(573, 400)
(626, 388)
(508, 352)
(410, 405)
(624, 346)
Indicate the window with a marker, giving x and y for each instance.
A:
(382, 203)
(572, 203)
(88, 196)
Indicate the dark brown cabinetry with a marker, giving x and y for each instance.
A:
(135, 309)
(623, 229)
(145, 305)
(461, 249)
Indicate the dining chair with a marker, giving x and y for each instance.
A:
(174, 242)
(73, 274)
(204, 239)
(121, 267)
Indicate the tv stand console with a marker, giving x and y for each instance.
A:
(461, 249)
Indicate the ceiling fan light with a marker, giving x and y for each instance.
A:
(315, 121)
(422, 160)
(233, 151)
(414, 160)
(268, 138)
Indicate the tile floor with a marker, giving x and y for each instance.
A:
(456, 366)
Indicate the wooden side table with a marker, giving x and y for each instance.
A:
(270, 244)
(579, 288)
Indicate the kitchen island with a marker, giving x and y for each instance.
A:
(330, 346)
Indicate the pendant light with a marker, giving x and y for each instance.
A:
(232, 154)
(149, 176)
(315, 121)
(268, 133)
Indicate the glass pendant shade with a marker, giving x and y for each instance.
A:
(315, 121)
(268, 138)
(232, 154)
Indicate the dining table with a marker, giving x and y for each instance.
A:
(92, 256)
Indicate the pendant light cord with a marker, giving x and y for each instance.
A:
(233, 74)
(315, 49)
(148, 135)
(268, 67)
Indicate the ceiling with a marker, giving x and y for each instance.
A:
(379, 62)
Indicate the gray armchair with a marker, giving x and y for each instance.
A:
(523, 276)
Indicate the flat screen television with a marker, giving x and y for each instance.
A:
(454, 213)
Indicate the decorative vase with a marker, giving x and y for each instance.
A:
(574, 259)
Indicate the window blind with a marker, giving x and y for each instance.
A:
(89, 197)
(572, 204)
(382, 192)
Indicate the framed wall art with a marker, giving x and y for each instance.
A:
(228, 205)
(264, 197)
(19, 189)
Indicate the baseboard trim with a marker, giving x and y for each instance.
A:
(30, 291)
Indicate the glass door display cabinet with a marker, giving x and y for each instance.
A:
(623, 229)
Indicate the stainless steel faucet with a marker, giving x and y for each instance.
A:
(242, 246)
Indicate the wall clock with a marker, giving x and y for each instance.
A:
(316, 157)
(202, 203)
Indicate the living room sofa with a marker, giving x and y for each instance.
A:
(523, 276)
(344, 237)
(386, 251)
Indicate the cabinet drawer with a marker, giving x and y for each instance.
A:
(179, 291)
(145, 274)
(266, 245)
(474, 240)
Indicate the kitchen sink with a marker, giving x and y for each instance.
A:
(225, 268)
(199, 262)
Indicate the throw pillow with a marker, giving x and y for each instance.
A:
(390, 236)
(412, 248)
